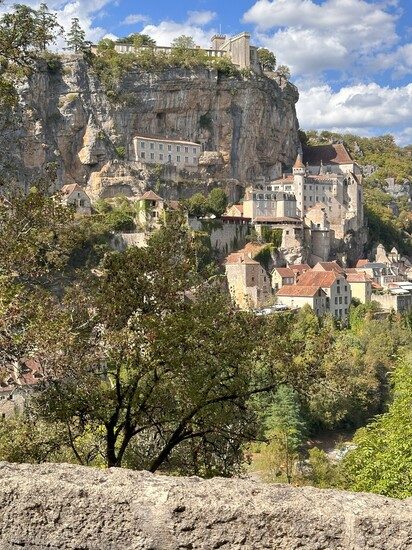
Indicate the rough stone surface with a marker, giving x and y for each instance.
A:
(72, 507)
(65, 120)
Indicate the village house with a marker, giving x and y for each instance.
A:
(282, 276)
(248, 282)
(163, 151)
(360, 286)
(150, 210)
(16, 386)
(74, 196)
(297, 296)
(337, 290)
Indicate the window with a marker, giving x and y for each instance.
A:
(194, 150)
(287, 232)
(142, 155)
(142, 145)
(160, 146)
(317, 198)
(178, 158)
(340, 299)
(169, 147)
(336, 300)
(178, 148)
(81, 202)
(186, 149)
(346, 299)
(169, 158)
(194, 160)
(152, 146)
(310, 198)
(152, 156)
(160, 156)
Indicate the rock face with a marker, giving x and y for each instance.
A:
(71, 507)
(66, 122)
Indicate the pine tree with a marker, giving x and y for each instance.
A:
(76, 37)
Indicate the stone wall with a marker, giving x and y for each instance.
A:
(72, 507)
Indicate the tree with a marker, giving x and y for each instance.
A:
(138, 40)
(184, 43)
(197, 205)
(283, 71)
(217, 202)
(285, 430)
(47, 27)
(76, 37)
(267, 59)
(381, 461)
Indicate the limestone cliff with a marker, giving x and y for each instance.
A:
(72, 507)
(66, 122)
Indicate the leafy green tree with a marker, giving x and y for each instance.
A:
(381, 461)
(47, 27)
(217, 202)
(283, 71)
(323, 473)
(197, 205)
(267, 59)
(138, 40)
(183, 43)
(76, 37)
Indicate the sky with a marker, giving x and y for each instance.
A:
(351, 59)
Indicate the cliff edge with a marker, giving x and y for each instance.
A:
(66, 123)
(72, 507)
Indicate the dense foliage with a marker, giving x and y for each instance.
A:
(146, 362)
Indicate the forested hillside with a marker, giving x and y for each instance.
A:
(389, 218)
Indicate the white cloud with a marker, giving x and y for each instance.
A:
(85, 10)
(362, 108)
(200, 17)
(166, 31)
(336, 34)
(399, 62)
(134, 18)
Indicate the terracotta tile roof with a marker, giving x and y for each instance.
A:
(328, 266)
(298, 290)
(299, 267)
(70, 188)
(376, 286)
(240, 258)
(284, 271)
(252, 249)
(314, 155)
(298, 162)
(358, 278)
(29, 374)
(150, 196)
(238, 207)
(324, 279)
(361, 263)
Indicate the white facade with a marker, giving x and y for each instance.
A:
(183, 154)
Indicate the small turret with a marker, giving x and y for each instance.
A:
(299, 167)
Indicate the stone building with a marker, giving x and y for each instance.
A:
(297, 296)
(337, 290)
(150, 210)
(74, 196)
(182, 154)
(282, 276)
(360, 286)
(16, 386)
(236, 48)
(249, 284)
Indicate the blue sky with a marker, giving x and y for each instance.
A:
(351, 59)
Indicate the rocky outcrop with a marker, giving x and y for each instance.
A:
(66, 122)
(71, 507)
